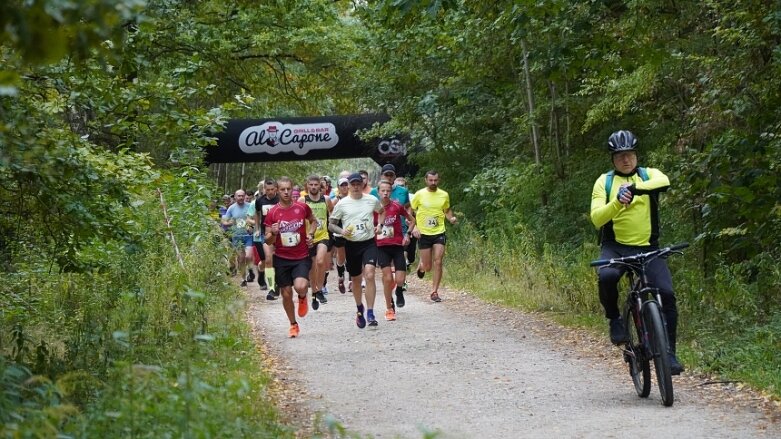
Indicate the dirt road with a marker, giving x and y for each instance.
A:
(472, 370)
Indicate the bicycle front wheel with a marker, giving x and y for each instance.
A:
(635, 357)
(657, 341)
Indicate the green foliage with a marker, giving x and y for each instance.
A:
(140, 345)
(103, 103)
(697, 82)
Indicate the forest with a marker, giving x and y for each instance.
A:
(116, 314)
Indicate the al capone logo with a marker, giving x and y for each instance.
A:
(275, 137)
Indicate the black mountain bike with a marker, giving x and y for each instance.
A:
(648, 333)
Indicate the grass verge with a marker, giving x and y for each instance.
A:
(718, 332)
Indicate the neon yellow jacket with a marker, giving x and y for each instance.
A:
(636, 224)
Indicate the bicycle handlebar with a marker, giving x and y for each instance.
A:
(639, 256)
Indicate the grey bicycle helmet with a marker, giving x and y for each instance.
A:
(622, 140)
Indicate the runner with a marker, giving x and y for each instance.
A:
(356, 212)
(365, 178)
(325, 189)
(432, 207)
(390, 244)
(411, 248)
(400, 194)
(321, 206)
(241, 233)
(286, 228)
(263, 204)
(337, 191)
(343, 189)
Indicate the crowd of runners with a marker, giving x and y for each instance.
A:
(290, 237)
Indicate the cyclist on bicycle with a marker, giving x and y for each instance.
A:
(629, 220)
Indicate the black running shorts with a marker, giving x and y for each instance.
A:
(286, 270)
(339, 241)
(394, 254)
(313, 248)
(360, 254)
(428, 241)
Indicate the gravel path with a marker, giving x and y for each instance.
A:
(470, 370)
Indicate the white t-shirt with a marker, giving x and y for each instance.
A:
(358, 216)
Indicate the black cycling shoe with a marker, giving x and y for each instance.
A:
(618, 333)
(675, 366)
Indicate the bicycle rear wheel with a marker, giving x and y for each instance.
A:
(657, 340)
(639, 366)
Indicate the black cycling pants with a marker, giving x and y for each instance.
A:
(658, 277)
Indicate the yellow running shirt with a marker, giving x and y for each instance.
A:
(430, 210)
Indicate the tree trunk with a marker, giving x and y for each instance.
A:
(567, 123)
(227, 174)
(554, 127)
(530, 102)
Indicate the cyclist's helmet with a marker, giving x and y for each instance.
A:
(621, 141)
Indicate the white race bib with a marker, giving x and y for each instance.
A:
(386, 232)
(241, 223)
(290, 239)
(431, 221)
(266, 208)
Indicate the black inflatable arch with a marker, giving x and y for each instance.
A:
(306, 138)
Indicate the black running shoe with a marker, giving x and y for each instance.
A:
(400, 299)
(251, 276)
(271, 296)
(321, 297)
(421, 274)
(244, 283)
(315, 303)
(274, 293)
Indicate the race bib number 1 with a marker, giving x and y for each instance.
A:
(290, 239)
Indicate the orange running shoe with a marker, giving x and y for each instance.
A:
(390, 315)
(293, 331)
(303, 306)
